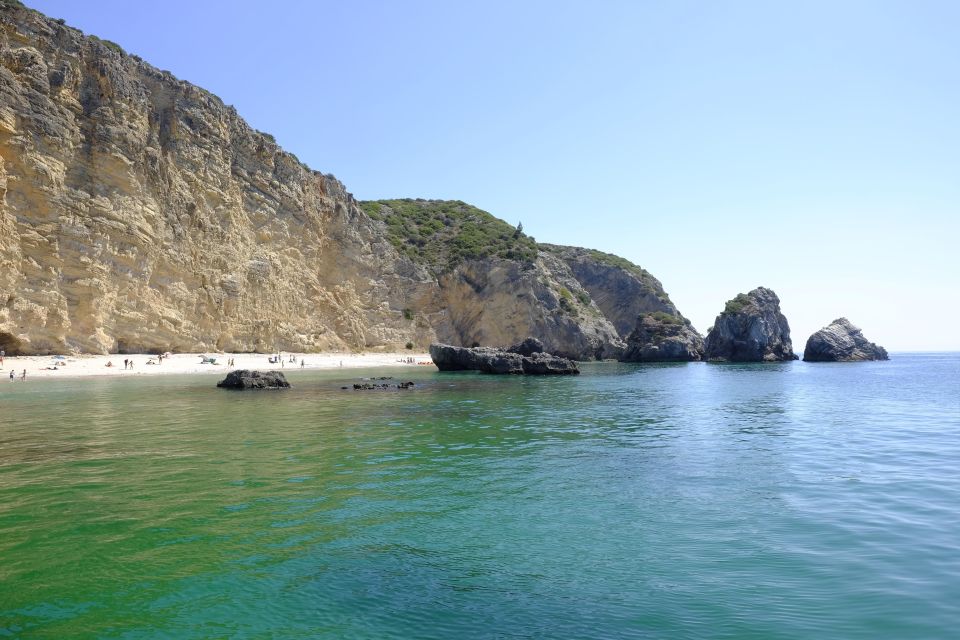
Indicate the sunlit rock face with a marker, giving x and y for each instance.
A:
(140, 213)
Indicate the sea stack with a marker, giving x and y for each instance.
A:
(662, 337)
(841, 341)
(751, 328)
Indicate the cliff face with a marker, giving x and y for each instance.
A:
(621, 290)
(140, 213)
(493, 301)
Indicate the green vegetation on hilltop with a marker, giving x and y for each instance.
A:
(737, 304)
(443, 233)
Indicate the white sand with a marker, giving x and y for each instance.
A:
(92, 365)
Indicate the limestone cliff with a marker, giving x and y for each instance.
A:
(140, 213)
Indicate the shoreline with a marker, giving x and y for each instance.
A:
(90, 365)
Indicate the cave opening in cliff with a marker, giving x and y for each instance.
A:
(10, 344)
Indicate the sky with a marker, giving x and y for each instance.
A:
(812, 148)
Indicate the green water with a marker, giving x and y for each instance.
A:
(684, 501)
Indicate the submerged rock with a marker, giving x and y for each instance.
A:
(750, 329)
(661, 337)
(501, 361)
(368, 386)
(841, 341)
(246, 379)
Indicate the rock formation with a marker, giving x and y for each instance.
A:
(620, 289)
(661, 337)
(140, 213)
(247, 379)
(840, 341)
(750, 329)
(494, 360)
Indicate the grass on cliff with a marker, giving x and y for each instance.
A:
(443, 233)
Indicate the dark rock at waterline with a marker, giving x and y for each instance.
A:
(841, 341)
(247, 379)
(372, 386)
(750, 329)
(661, 337)
(500, 361)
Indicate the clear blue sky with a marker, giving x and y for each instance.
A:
(812, 147)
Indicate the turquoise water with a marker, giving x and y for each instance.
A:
(634, 501)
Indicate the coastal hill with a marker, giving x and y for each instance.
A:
(138, 212)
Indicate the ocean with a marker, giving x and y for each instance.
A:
(674, 501)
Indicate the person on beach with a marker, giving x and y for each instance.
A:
(23, 376)
(11, 375)
(301, 363)
(125, 362)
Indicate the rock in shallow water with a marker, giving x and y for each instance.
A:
(661, 337)
(494, 360)
(750, 329)
(246, 379)
(841, 341)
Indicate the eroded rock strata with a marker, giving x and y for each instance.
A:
(751, 328)
(841, 341)
(140, 213)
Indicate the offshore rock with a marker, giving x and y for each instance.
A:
(841, 341)
(247, 379)
(661, 337)
(750, 329)
(500, 361)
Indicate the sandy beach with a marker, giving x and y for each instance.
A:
(182, 363)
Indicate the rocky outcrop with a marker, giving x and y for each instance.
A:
(750, 329)
(140, 213)
(660, 337)
(495, 301)
(247, 379)
(841, 341)
(501, 361)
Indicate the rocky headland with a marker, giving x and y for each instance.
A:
(661, 337)
(841, 341)
(751, 328)
(139, 213)
(526, 358)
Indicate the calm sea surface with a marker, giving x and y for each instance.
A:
(634, 501)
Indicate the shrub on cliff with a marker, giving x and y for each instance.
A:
(443, 233)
